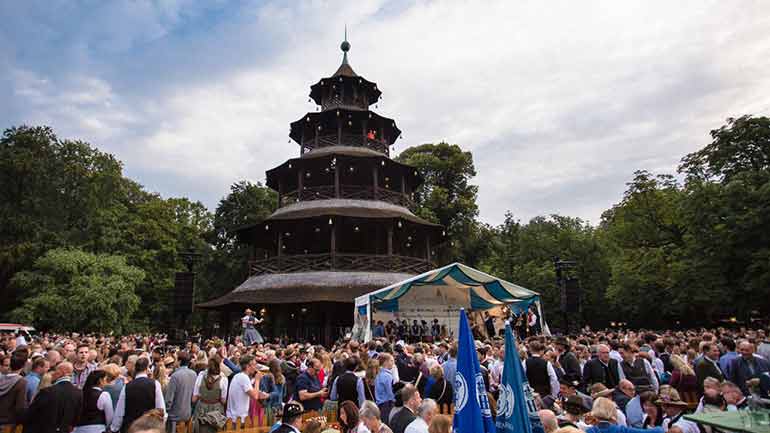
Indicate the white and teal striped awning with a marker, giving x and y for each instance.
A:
(483, 290)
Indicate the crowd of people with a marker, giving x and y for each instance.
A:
(595, 381)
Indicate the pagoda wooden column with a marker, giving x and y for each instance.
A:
(300, 185)
(390, 239)
(427, 248)
(403, 185)
(334, 246)
(375, 181)
(302, 142)
(365, 133)
(337, 180)
(315, 142)
(280, 243)
(339, 131)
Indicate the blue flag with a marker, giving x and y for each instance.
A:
(472, 412)
(516, 410)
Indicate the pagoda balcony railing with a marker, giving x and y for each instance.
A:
(357, 192)
(339, 262)
(352, 140)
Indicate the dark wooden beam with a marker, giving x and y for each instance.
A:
(300, 185)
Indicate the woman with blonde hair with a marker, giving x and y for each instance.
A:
(605, 417)
(683, 377)
(372, 370)
(440, 424)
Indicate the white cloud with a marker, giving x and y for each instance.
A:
(560, 102)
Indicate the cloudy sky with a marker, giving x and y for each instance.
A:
(559, 101)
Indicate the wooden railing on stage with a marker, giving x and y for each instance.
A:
(357, 192)
(339, 262)
(254, 424)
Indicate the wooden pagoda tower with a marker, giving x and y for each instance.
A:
(343, 226)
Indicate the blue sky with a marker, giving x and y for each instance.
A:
(559, 101)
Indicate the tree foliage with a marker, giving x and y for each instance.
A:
(83, 247)
(72, 290)
(447, 197)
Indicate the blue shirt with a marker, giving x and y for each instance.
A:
(379, 331)
(33, 380)
(310, 384)
(359, 389)
(634, 413)
(724, 362)
(450, 369)
(383, 387)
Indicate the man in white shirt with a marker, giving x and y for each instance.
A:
(425, 413)
(242, 390)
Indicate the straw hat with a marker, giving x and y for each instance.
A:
(671, 398)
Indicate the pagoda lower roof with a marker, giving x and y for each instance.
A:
(346, 207)
(300, 287)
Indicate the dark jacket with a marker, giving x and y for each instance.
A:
(13, 398)
(570, 365)
(402, 419)
(595, 372)
(441, 391)
(705, 368)
(740, 371)
(54, 410)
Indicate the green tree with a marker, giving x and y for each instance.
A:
(72, 290)
(524, 254)
(728, 200)
(226, 267)
(53, 193)
(446, 195)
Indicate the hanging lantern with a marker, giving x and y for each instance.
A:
(340, 79)
(350, 123)
(370, 115)
(352, 168)
(338, 113)
(319, 127)
(307, 174)
(330, 221)
(334, 161)
(409, 238)
(382, 163)
(399, 224)
(287, 234)
(408, 245)
(355, 229)
(305, 251)
(318, 230)
(289, 165)
(443, 233)
(267, 227)
(307, 119)
(322, 82)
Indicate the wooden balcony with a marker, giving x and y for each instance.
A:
(356, 192)
(353, 140)
(339, 262)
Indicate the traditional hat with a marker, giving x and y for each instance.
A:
(292, 410)
(600, 390)
(569, 380)
(671, 398)
(575, 405)
(562, 341)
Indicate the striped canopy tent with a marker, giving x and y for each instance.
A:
(439, 294)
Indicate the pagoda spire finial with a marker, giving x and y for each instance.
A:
(345, 47)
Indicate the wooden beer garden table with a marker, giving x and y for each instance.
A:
(727, 421)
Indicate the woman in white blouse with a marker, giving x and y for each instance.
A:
(96, 413)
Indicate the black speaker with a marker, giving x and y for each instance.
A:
(184, 289)
(572, 295)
